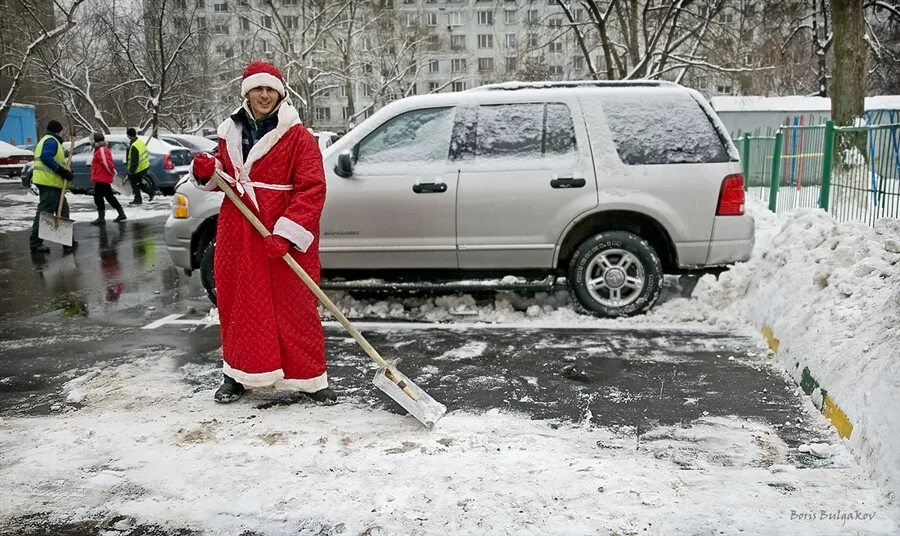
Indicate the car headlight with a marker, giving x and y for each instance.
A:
(180, 207)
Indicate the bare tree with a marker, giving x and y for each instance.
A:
(41, 30)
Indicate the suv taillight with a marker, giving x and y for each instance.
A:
(731, 196)
(167, 162)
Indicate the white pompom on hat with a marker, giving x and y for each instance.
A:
(262, 74)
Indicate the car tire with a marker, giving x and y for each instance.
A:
(207, 275)
(615, 273)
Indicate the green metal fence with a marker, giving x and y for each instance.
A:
(853, 172)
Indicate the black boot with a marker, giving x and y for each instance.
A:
(325, 396)
(229, 391)
(98, 221)
(121, 217)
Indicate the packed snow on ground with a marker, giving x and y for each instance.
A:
(830, 291)
(19, 206)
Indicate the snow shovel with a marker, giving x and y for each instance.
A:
(390, 380)
(54, 227)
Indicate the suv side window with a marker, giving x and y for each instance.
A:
(418, 135)
(675, 130)
(520, 131)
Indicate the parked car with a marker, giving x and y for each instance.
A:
(168, 163)
(325, 138)
(609, 184)
(196, 144)
(13, 159)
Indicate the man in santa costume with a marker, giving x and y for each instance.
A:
(271, 332)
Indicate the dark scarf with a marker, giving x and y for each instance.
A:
(252, 130)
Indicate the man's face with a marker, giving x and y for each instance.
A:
(262, 101)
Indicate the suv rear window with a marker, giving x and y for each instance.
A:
(669, 130)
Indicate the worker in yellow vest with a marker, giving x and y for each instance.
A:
(137, 163)
(50, 174)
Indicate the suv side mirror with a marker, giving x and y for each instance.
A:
(344, 166)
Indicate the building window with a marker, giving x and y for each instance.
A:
(532, 16)
(512, 64)
(555, 46)
(434, 66)
(458, 65)
(433, 87)
(726, 18)
(556, 70)
(485, 65)
(323, 113)
(721, 88)
(509, 16)
(410, 19)
(555, 23)
(291, 3)
(511, 40)
(220, 8)
(431, 18)
(266, 22)
(454, 19)
(345, 113)
(221, 29)
(485, 41)
(578, 15)
(578, 63)
(485, 18)
(244, 22)
(533, 40)
(457, 42)
(291, 22)
(459, 86)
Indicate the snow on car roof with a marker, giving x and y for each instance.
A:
(795, 103)
(7, 149)
(154, 145)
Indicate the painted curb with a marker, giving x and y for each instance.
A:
(818, 394)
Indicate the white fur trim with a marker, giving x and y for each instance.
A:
(294, 232)
(251, 379)
(307, 386)
(262, 80)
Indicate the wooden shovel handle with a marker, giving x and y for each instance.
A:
(369, 349)
(62, 193)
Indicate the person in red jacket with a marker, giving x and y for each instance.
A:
(103, 170)
(270, 326)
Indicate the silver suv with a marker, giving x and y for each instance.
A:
(609, 184)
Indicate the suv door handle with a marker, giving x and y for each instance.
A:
(430, 187)
(567, 182)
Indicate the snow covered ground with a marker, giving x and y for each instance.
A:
(19, 205)
(141, 438)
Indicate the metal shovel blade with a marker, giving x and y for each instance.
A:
(414, 400)
(55, 229)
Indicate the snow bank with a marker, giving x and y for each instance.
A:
(831, 294)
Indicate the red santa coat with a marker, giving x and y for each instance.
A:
(271, 332)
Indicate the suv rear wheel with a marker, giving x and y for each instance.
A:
(207, 277)
(615, 273)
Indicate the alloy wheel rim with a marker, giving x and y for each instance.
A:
(615, 278)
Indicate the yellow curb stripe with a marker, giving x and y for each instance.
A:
(837, 417)
(808, 384)
(769, 334)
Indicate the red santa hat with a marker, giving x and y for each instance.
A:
(262, 74)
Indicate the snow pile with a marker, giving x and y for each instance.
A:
(831, 293)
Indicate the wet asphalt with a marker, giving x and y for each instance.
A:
(61, 314)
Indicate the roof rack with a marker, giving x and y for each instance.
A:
(515, 86)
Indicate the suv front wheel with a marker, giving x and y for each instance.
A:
(615, 273)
